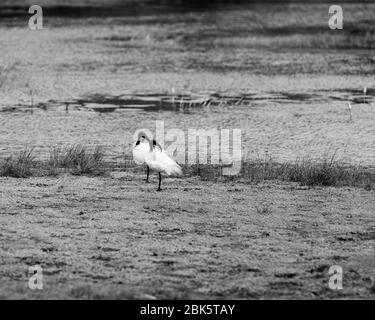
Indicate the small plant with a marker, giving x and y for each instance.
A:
(80, 159)
(20, 166)
(327, 172)
(263, 208)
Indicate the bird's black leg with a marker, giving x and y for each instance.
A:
(159, 189)
(148, 173)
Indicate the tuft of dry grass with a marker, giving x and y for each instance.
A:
(263, 208)
(326, 172)
(79, 159)
(76, 159)
(20, 166)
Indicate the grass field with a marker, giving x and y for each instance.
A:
(277, 72)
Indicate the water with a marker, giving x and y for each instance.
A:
(96, 75)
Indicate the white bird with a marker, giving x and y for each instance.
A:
(151, 153)
(140, 148)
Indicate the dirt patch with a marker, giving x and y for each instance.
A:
(116, 237)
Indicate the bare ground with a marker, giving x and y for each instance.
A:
(116, 237)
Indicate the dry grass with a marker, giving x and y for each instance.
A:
(19, 166)
(263, 208)
(83, 160)
(76, 159)
(306, 171)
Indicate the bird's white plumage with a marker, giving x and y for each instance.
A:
(157, 158)
(140, 151)
(149, 152)
(160, 161)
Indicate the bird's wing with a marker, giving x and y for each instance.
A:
(168, 165)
